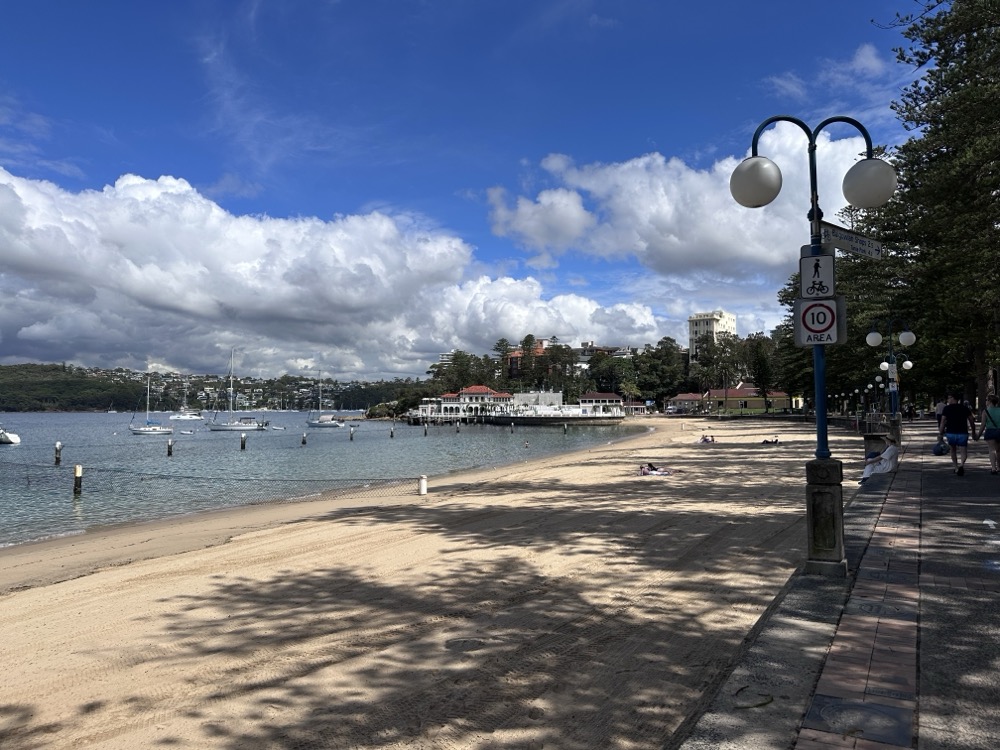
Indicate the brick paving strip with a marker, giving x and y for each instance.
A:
(866, 697)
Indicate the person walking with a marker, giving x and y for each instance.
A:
(989, 422)
(956, 423)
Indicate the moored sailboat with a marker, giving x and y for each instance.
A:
(186, 413)
(151, 426)
(318, 418)
(234, 423)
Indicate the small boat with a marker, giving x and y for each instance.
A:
(276, 427)
(151, 427)
(319, 419)
(9, 438)
(234, 423)
(187, 432)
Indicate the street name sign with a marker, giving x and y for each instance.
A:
(849, 241)
(816, 277)
(820, 321)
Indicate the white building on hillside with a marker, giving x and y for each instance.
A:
(715, 322)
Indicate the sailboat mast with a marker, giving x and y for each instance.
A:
(232, 366)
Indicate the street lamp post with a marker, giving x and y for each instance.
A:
(869, 183)
(889, 366)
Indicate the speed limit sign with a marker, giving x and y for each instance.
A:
(819, 321)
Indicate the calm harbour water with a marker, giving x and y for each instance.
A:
(129, 478)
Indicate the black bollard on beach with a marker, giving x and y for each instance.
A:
(58, 453)
(77, 479)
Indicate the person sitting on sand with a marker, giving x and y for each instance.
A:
(882, 463)
(705, 439)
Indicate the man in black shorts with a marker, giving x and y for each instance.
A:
(956, 423)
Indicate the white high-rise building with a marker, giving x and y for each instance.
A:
(715, 322)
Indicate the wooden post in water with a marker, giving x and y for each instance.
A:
(425, 429)
(243, 441)
(511, 428)
(58, 453)
(303, 438)
(170, 447)
(352, 432)
(77, 479)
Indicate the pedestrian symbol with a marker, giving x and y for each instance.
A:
(816, 277)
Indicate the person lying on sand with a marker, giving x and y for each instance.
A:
(650, 470)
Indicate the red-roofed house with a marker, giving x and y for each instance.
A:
(744, 397)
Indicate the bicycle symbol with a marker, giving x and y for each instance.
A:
(817, 287)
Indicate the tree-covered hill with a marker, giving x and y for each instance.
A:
(32, 387)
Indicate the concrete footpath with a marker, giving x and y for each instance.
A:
(904, 653)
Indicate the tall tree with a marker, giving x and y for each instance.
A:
(950, 178)
(758, 353)
(660, 370)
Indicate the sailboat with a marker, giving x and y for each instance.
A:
(318, 418)
(8, 438)
(186, 412)
(234, 423)
(151, 427)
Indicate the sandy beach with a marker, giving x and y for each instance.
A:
(561, 603)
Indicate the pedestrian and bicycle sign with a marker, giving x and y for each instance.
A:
(816, 277)
(820, 321)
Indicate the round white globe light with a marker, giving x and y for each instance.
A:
(878, 378)
(881, 385)
(755, 182)
(906, 338)
(869, 183)
(907, 365)
(873, 339)
(884, 366)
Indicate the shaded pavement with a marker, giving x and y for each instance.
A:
(904, 653)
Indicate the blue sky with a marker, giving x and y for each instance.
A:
(359, 185)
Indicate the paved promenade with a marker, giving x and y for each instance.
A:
(903, 654)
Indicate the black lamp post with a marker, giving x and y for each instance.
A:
(869, 183)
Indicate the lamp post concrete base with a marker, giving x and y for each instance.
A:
(825, 518)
